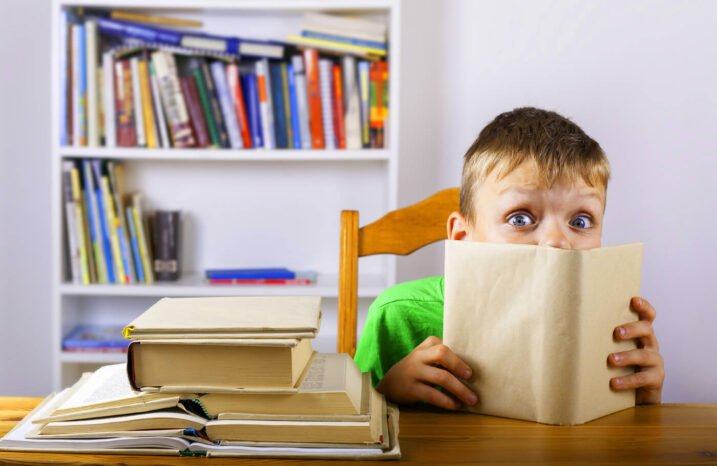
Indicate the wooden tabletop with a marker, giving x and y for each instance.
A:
(659, 434)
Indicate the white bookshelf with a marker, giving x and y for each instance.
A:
(241, 208)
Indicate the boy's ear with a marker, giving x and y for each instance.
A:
(457, 227)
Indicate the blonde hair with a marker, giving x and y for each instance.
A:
(557, 145)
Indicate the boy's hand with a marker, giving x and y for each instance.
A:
(431, 363)
(650, 373)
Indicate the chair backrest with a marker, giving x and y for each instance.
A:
(399, 232)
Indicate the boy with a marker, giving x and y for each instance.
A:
(531, 177)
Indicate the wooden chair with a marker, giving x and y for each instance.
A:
(399, 232)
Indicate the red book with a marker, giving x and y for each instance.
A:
(338, 108)
(238, 100)
(194, 107)
(259, 281)
(313, 88)
(124, 105)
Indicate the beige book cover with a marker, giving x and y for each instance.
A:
(240, 317)
(535, 324)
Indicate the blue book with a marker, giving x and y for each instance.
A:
(64, 24)
(94, 221)
(253, 114)
(344, 40)
(134, 242)
(277, 92)
(293, 102)
(250, 273)
(219, 74)
(97, 168)
(81, 107)
(95, 337)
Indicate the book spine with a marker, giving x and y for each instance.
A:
(158, 110)
(137, 103)
(313, 90)
(332, 46)
(76, 114)
(103, 221)
(369, 44)
(265, 104)
(108, 87)
(63, 73)
(219, 74)
(82, 86)
(278, 105)
(143, 233)
(112, 224)
(325, 74)
(352, 104)
(91, 264)
(339, 128)
(235, 89)
(174, 106)
(206, 107)
(381, 78)
(115, 173)
(100, 103)
(93, 117)
(302, 102)
(166, 239)
(295, 126)
(93, 217)
(73, 248)
(70, 90)
(124, 103)
(134, 241)
(80, 225)
(287, 107)
(215, 106)
(194, 106)
(147, 111)
(253, 109)
(363, 68)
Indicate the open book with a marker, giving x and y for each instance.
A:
(535, 324)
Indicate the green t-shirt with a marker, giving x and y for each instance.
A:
(398, 321)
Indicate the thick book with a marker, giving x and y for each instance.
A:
(313, 90)
(327, 105)
(235, 89)
(115, 174)
(157, 105)
(252, 317)
(175, 108)
(213, 364)
(253, 109)
(91, 60)
(302, 100)
(194, 66)
(213, 97)
(540, 321)
(95, 338)
(219, 75)
(71, 233)
(352, 104)
(148, 114)
(137, 96)
(196, 114)
(167, 237)
(280, 122)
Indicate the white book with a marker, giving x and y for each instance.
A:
(219, 75)
(158, 109)
(265, 104)
(93, 114)
(76, 119)
(109, 99)
(137, 97)
(326, 79)
(64, 22)
(352, 105)
(302, 100)
(73, 247)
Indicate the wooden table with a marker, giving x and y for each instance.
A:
(661, 434)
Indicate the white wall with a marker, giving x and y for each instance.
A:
(637, 76)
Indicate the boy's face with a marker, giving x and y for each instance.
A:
(519, 208)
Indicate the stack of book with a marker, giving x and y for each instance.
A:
(128, 84)
(220, 376)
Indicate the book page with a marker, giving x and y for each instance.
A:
(108, 383)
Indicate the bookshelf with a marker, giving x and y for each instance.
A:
(241, 208)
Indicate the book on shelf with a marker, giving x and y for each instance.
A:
(130, 84)
(272, 276)
(167, 236)
(95, 339)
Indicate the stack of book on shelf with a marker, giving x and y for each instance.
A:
(266, 276)
(108, 238)
(128, 84)
(92, 338)
(220, 377)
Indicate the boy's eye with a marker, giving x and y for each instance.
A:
(520, 220)
(581, 222)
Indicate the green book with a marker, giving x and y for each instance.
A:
(287, 106)
(206, 107)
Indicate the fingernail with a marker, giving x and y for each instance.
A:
(618, 381)
(616, 357)
(473, 398)
(621, 331)
(467, 374)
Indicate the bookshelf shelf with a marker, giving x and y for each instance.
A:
(240, 208)
(250, 155)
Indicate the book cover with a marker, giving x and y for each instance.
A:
(327, 106)
(94, 222)
(363, 76)
(137, 103)
(266, 107)
(219, 75)
(214, 103)
(251, 97)
(302, 102)
(175, 108)
(95, 338)
(352, 104)
(166, 243)
(235, 89)
(338, 108)
(287, 106)
(280, 126)
(157, 105)
(124, 105)
(108, 99)
(146, 99)
(194, 105)
(103, 220)
(91, 59)
(540, 320)
(313, 90)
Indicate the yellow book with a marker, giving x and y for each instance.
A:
(81, 232)
(149, 126)
(334, 46)
(143, 249)
(112, 224)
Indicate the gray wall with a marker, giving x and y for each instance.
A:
(637, 76)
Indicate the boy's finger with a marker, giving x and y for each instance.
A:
(430, 341)
(636, 357)
(641, 329)
(441, 355)
(429, 394)
(443, 378)
(643, 308)
(652, 377)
